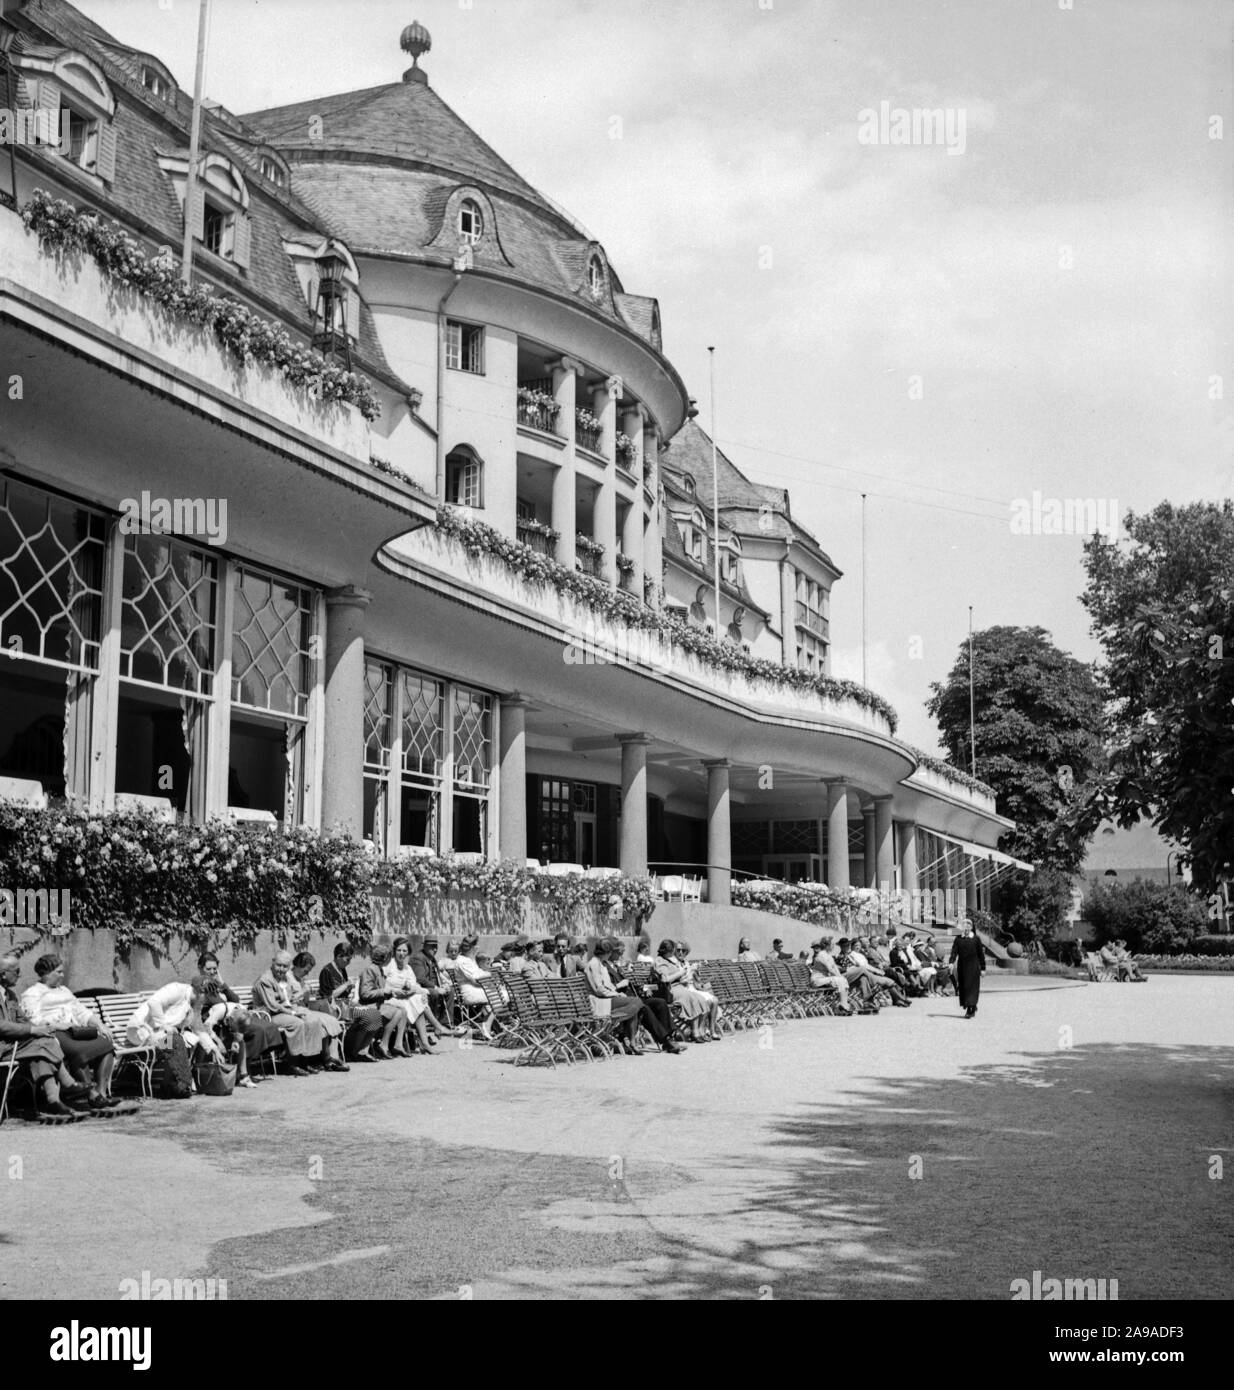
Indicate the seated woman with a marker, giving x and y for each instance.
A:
(409, 994)
(89, 1053)
(174, 1008)
(617, 1005)
(1128, 967)
(857, 961)
(301, 966)
(250, 1035)
(470, 971)
(33, 1046)
(363, 1021)
(695, 1006)
(306, 1032)
(373, 991)
(691, 982)
(825, 973)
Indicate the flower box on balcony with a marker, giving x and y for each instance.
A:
(538, 410)
(587, 430)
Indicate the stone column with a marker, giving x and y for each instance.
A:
(565, 384)
(604, 406)
(869, 866)
(907, 831)
(633, 802)
(837, 833)
(512, 768)
(632, 530)
(653, 547)
(788, 613)
(343, 771)
(719, 834)
(884, 847)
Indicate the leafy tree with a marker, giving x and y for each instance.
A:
(1034, 906)
(1157, 918)
(1039, 724)
(1163, 609)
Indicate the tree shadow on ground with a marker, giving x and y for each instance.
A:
(1092, 1162)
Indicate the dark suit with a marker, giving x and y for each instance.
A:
(364, 1025)
(428, 973)
(968, 958)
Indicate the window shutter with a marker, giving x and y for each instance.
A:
(242, 240)
(48, 94)
(105, 165)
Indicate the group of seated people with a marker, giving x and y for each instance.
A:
(1115, 956)
(402, 1001)
(901, 964)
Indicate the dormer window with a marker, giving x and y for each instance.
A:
(271, 169)
(76, 96)
(595, 277)
(155, 83)
(470, 222)
(221, 206)
(687, 484)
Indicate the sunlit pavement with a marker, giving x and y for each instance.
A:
(1077, 1131)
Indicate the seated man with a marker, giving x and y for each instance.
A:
(37, 1050)
(904, 960)
(363, 1022)
(423, 962)
(535, 966)
(304, 1030)
(876, 951)
(858, 961)
(777, 951)
(927, 954)
(654, 1012)
(1128, 969)
(1109, 960)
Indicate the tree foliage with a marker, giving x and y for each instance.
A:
(1039, 725)
(1155, 917)
(1162, 607)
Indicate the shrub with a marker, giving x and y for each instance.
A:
(1034, 906)
(1204, 964)
(1153, 917)
(1213, 945)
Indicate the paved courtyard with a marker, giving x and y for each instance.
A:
(1071, 1130)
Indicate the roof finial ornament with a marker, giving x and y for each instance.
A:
(417, 41)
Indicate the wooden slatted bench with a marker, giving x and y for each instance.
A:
(115, 1013)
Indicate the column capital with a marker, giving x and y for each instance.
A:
(514, 701)
(348, 596)
(834, 781)
(868, 810)
(566, 364)
(623, 739)
(710, 763)
(885, 800)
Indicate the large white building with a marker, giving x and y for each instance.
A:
(318, 644)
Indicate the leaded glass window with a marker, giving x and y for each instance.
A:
(272, 665)
(169, 614)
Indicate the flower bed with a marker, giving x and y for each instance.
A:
(835, 909)
(61, 227)
(159, 884)
(152, 882)
(536, 568)
(1205, 964)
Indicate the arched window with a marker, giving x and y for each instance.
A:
(470, 221)
(271, 169)
(464, 477)
(595, 277)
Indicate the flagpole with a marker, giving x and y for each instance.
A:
(715, 491)
(863, 588)
(190, 187)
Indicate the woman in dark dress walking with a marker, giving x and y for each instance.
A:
(968, 966)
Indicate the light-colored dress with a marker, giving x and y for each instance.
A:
(694, 1003)
(470, 971)
(404, 977)
(330, 1021)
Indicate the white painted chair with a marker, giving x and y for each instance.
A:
(564, 870)
(24, 790)
(534, 864)
(599, 872)
(692, 890)
(671, 888)
(415, 852)
(251, 815)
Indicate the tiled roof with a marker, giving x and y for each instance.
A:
(742, 501)
(147, 126)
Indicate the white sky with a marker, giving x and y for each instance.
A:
(1087, 137)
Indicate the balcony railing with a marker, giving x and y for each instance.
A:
(586, 434)
(588, 555)
(536, 407)
(534, 534)
(812, 621)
